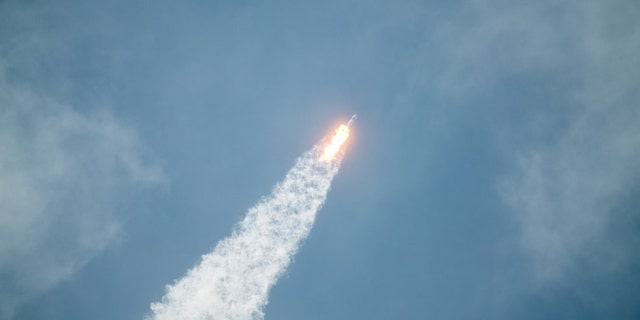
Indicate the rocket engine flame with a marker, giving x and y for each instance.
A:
(338, 139)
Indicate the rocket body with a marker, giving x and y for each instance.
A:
(353, 117)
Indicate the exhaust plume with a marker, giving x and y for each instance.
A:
(233, 281)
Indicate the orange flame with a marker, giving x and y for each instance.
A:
(338, 139)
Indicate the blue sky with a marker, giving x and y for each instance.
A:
(492, 173)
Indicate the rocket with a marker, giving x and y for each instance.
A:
(341, 135)
(355, 116)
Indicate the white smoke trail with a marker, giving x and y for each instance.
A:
(233, 281)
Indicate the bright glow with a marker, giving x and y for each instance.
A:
(342, 133)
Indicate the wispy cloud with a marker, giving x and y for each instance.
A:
(60, 171)
(567, 191)
(574, 141)
(566, 195)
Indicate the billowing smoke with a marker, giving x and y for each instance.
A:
(233, 281)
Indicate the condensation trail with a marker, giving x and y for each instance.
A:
(233, 281)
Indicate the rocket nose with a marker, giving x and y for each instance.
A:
(355, 116)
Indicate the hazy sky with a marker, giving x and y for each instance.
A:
(492, 173)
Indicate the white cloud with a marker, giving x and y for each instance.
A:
(60, 172)
(567, 193)
(575, 152)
